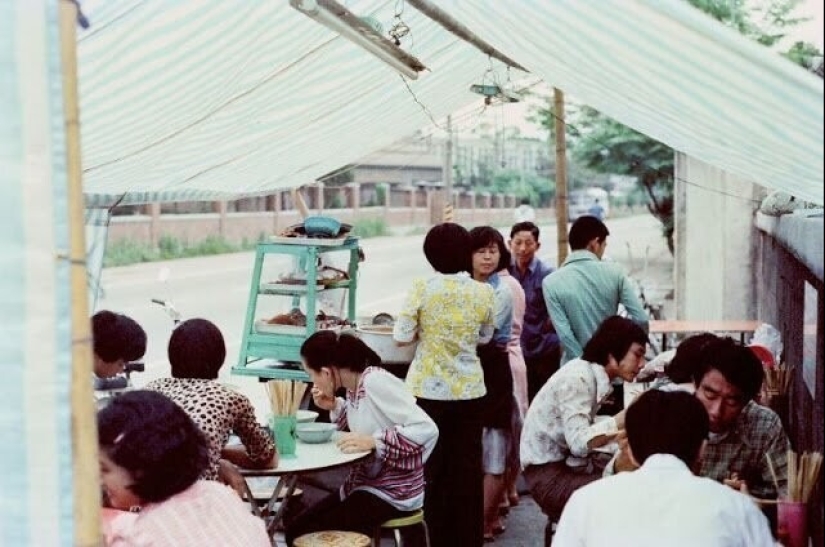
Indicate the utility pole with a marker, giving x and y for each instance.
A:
(448, 173)
(557, 109)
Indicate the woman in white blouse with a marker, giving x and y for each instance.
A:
(379, 414)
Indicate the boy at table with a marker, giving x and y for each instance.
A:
(743, 434)
(666, 433)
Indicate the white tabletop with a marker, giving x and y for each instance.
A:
(309, 457)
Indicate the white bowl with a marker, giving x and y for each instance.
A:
(315, 432)
(379, 338)
(306, 416)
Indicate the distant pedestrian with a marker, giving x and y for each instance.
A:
(525, 212)
(596, 210)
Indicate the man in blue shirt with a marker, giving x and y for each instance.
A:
(539, 342)
(596, 210)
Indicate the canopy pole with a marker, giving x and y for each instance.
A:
(448, 215)
(85, 466)
(557, 109)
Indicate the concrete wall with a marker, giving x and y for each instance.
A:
(714, 242)
(789, 272)
(235, 227)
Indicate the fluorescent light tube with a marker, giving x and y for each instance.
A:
(339, 19)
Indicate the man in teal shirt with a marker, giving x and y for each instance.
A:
(585, 290)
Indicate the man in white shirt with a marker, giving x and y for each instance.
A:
(560, 434)
(663, 502)
(524, 212)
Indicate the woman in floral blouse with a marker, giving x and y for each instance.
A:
(450, 314)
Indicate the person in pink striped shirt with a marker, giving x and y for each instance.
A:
(379, 414)
(151, 455)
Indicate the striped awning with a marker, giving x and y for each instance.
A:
(671, 72)
(218, 100)
(36, 500)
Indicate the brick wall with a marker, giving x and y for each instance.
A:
(235, 227)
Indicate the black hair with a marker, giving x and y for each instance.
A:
(117, 336)
(447, 248)
(737, 363)
(666, 422)
(196, 350)
(325, 348)
(482, 236)
(687, 357)
(155, 440)
(614, 337)
(524, 201)
(525, 226)
(584, 230)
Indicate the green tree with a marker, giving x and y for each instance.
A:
(607, 146)
(537, 190)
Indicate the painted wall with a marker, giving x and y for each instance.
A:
(714, 242)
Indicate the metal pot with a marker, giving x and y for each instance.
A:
(379, 338)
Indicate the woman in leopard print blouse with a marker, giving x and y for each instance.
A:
(196, 353)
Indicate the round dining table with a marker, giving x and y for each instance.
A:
(308, 458)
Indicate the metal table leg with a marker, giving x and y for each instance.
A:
(273, 519)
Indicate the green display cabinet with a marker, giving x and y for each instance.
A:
(272, 351)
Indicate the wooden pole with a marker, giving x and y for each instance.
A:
(561, 174)
(299, 203)
(448, 173)
(85, 466)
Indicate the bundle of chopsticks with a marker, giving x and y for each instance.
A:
(285, 396)
(803, 473)
(778, 379)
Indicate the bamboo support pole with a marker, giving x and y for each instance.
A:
(561, 174)
(86, 487)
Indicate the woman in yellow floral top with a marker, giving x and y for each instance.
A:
(450, 314)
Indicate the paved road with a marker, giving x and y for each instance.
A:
(217, 288)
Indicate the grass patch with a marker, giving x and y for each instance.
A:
(125, 252)
(373, 227)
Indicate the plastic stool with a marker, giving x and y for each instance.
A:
(396, 524)
(332, 538)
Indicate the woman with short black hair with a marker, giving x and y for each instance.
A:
(196, 353)
(151, 455)
(450, 314)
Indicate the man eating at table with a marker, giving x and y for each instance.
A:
(666, 433)
(747, 446)
(561, 435)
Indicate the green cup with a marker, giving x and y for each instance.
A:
(283, 431)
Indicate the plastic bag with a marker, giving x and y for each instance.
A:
(768, 337)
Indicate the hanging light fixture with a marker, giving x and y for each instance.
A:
(336, 17)
(494, 91)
